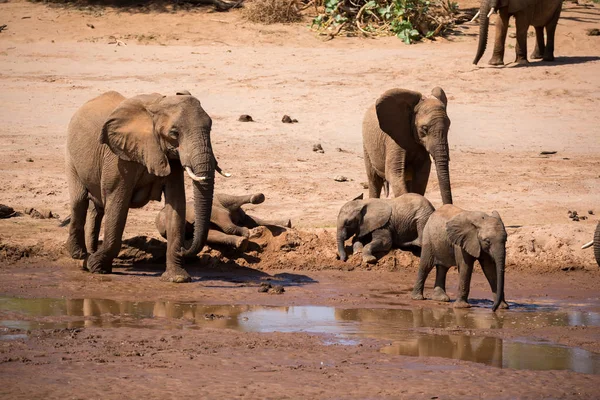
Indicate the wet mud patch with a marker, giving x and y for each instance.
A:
(471, 335)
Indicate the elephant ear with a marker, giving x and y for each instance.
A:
(439, 94)
(375, 214)
(462, 232)
(129, 132)
(395, 109)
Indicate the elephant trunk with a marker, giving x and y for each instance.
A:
(341, 238)
(499, 257)
(441, 159)
(484, 23)
(597, 244)
(204, 163)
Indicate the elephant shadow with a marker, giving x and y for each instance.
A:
(563, 60)
(146, 256)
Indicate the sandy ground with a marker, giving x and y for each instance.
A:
(51, 62)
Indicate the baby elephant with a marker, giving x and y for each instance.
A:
(229, 224)
(453, 236)
(380, 224)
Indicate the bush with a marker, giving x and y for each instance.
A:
(272, 11)
(409, 20)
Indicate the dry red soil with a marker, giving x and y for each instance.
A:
(52, 61)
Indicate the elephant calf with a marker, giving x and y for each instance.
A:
(228, 222)
(453, 236)
(380, 224)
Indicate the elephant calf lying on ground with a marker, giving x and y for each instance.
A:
(380, 224)
(453, 236)
(229, 224)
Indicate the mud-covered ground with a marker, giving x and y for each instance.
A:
(52, 61)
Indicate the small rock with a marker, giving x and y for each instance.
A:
(575, 218)
(318, 148)
(547, 153)
(340, 178)
(91, 26)
(29, 159)
(286, 119)
(365, 185)
(245, 118)
(277, 289)
(264, 287)
(7, 212)
(591, 212)
(583, 217)
(294, 121)
(593, 32)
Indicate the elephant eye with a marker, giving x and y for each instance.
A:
(174, 134)
(424, 130)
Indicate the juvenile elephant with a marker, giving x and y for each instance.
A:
(380, 224)
(124, 152)
(453, 236)
(228, 222)
(539, 13)
(401, 133)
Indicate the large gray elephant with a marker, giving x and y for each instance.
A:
(124, 152)
(401, 132)
(539, 13)
(455, 237)
(229, 222)
(596, 243)
(380, 224)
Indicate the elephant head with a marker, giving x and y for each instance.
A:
(360, 217)
(475, 232)
(415, 122)
(156, 130)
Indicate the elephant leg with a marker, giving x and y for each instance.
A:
(425, 265)
(500, 40)
(92, 226)
(252, 222)
(539, 50)
(395, 164)
(420, 178)
(357, 246)
(522, 24)
(116, 208)
(222, 218)
(221, 238)
(439, 289)
(381, 242)
(79, 205)
(233, 203)
(375, 181)
(464, 262)
(489, 270)
(550, 33)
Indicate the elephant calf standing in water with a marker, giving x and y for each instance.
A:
(380, 224)
(228, 222)
(402, 131)
(453, 236)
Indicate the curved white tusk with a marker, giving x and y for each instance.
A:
(225, 174)
(585, 246)
(194, 176)
(431, 158)
(475, 17)
(491, 12)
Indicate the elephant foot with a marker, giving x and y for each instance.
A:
(536, 55)
(241, 244)
(95, 265)
(521, 62)
(257, 198)
(176, 275)
(417, 296)
(461, 304)
(369, 259)
(77, 252)
(439, 295)
(357, 247)
(549, 57)
(503, 305)
(496, 60)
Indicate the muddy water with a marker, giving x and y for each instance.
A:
(440, 332)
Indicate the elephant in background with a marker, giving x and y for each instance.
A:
(539, 13)
(453, 236)
(380, 224)
(124, 152)
(229, 223)
(596, 243)
(402, 131)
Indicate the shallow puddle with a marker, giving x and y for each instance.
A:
(408, 330)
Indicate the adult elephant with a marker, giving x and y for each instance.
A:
(595, 243)
(539, 13)
(124, 152)
(401, 132)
